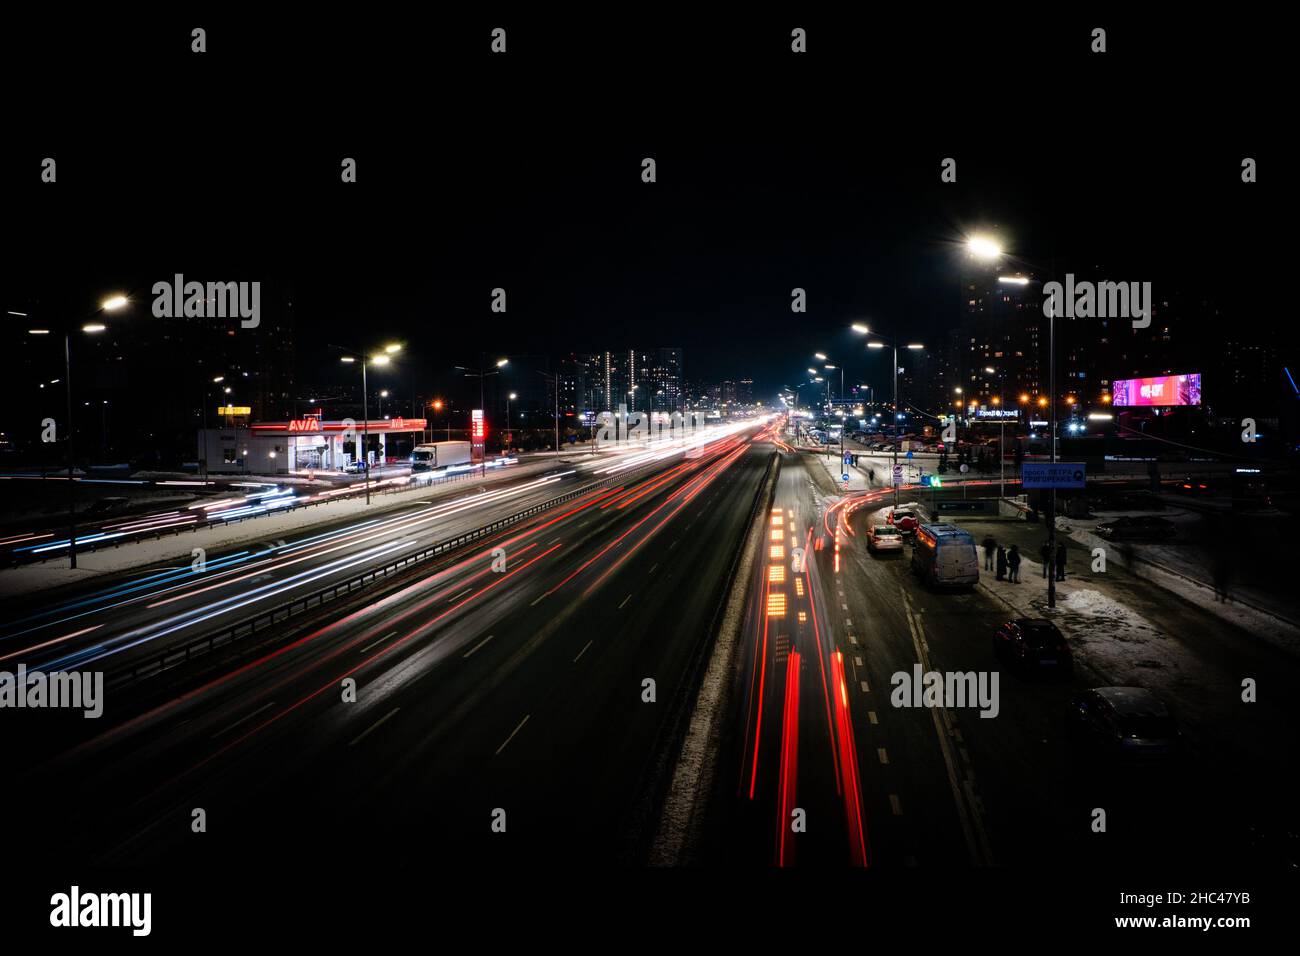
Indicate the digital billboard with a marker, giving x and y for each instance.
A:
(1160, 390)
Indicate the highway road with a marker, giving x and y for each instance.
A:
(137, 617)
(878, 785)
(508, 685)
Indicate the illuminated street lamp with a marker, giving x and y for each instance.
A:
(984, 247)
(381, 358)
(509, 434)
(111, 303)
(913, 346)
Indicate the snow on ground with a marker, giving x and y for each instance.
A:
(1119, 645)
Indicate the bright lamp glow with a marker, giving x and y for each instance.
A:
(113, 303)
(915, 345)
(1014, 280)
(875, 345)
(395, 347)
(94, 327)
(982, 247)
(380, 360)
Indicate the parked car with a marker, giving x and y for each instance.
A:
(905, 521)
(884, 537)
(1128, 724)
(1140, 528)
(1034, 644)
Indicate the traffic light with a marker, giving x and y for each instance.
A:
(935, 482)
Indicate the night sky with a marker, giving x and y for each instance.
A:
(822, 174)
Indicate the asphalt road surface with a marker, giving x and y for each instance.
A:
(819, 739)
(503, 705)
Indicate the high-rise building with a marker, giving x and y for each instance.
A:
(1002, 346)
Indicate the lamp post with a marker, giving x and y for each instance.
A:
(554, 379)
(510, 438)
(914, 346)
(990, 250)
(381, 358)
(111, 304)
(480, 374)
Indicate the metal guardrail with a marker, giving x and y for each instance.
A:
(259, 623)
(13, 559)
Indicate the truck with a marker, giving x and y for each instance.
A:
(439, 455)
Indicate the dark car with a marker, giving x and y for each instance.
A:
(1033, 644)
(1141, 528)
(1125, 724)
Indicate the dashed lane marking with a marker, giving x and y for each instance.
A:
(477, 646)
(373, 727)
(378, 642)
(512, 734)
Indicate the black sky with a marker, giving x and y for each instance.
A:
(773, 173)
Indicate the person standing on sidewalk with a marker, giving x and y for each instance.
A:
(1060, 562)
(1002, 563)
(1013, 563)
(1046, 552)
(989, 547)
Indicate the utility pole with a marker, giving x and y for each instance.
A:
(72, 491)
(1051, 507)
(894, 471)
(365, 425)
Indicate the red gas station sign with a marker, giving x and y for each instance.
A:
(309, 424)
(478, 427)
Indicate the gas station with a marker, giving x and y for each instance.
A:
(302, 444)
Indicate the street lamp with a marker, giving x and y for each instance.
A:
(984, 247)
(481, 375)
(1051, 390)
(380, 358)
(437, 407)
(110, 304)
(510, 438)
(875, 344)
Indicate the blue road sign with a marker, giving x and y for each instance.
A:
(845, 476)
(1043, 474)
(848, 458)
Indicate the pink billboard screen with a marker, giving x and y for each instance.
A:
(1161, 390)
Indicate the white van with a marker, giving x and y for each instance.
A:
(943, 555)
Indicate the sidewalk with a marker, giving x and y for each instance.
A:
(1087, 594)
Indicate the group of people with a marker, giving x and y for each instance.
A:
(1007, 562)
